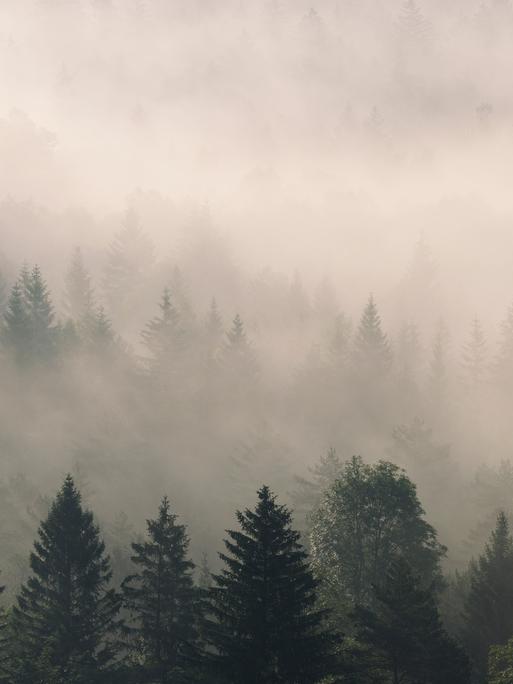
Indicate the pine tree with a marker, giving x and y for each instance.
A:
(66, 613)
(78, 291)
(310, 490)
(412, 24)
(129, 263)
(438, 378)
(163, 337)
(5, 639)
(503, 367)
(266, 626)
(214, 322)
(16, 325)
(180, 296)
(163, 602)
(372, 353)
(403, 636)
(29, 332)
(474, 357)
(489, 605)
(236, 357)
(500, 664)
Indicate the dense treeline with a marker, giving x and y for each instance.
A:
(364, 606)
(379, 586)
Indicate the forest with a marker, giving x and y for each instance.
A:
(256, 342)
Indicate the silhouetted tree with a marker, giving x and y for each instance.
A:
(266, 626)
(403, 637)
(66, 612)
(489, 605)
(163, 602)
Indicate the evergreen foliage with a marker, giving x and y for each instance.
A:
(372, 353)
(489, 605)
(66, 613)
(163, 602)
(267, 628)
(402, 637)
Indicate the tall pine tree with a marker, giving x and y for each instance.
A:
(266, 627)
(163, 602)
(403, 637)
(372, 353)
(66, 613)
(489, 605)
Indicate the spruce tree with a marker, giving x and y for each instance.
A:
(29, 330)
(163, 602)
(66, 613)
(163, 337)
(78, 292)
(489, 605)
(16, 325)
(372, 353)
(403, 638)
(503, 367)
(266, 628)
(474, 357)
(236, 356)
(438, 377)
(129, 263)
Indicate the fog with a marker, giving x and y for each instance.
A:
(288, 159)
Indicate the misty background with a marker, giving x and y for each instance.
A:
(287, 160)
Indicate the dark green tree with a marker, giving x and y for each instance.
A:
(266, 628)
(236, 356)
(500, 664)
(402, 638)
(367, 517)
(372, 353)
(489, 606)
(66, 613)
(163, 602)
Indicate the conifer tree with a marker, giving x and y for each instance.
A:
(16, 325)
(500, 664)
(503, 367)
(66, 613)
(163, 337)
(236, 357)
(29, 330)
(266, 626)
(163, 602)
(438, 378)
(489, 605)
(474, 357)
(129, 263)
(412, 24)
(372, 353)
(78, 292)
(4, 645)
(403, 637)
(214, 325)
(181, 299)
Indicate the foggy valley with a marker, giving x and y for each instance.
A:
(256, 286)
